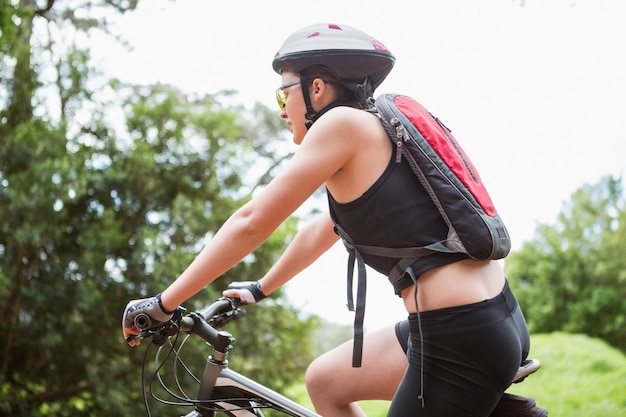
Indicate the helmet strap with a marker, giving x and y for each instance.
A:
(311, 115)
(320, 113)
(363, 91)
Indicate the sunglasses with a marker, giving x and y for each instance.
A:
(281, 97)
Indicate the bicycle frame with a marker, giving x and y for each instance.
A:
(243, 397)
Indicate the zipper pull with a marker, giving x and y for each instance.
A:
(399, 137)
(440, 123)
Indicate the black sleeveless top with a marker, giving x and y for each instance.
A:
(395, 212)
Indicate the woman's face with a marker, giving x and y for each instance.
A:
(294, 108)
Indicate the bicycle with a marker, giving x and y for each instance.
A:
(221, 389)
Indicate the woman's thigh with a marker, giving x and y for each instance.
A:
(382, 369)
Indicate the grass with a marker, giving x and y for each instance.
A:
(579, 377)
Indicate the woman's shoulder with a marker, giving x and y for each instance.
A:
(351, 113)
(350, 121)
(356, 140)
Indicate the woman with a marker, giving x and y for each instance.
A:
(465, 335)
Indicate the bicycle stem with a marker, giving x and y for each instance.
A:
(221, 342)
(212, 371)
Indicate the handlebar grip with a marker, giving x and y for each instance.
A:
(143, 321)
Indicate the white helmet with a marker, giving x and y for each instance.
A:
(349, 53)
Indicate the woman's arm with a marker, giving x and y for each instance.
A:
(311, 241)
(324, 152)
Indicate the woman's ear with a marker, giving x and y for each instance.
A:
(319, 91)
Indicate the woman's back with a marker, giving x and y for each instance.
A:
(453, 279)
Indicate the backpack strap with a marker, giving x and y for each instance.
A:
(407, 255)
(355, 255)
(359, 312)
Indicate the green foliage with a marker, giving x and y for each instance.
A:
(329, 335)
(269, 334)
(572, 276)
(99, 207)
(9, 29)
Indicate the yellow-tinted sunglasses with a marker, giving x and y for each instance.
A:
(281, 97)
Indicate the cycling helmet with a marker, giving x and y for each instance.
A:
(349, 53)
(359, 61)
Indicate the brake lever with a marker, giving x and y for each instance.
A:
(219, 320)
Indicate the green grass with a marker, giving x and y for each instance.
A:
(579, 377)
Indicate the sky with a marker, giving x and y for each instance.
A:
(534, 90)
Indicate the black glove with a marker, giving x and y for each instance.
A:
(142, 314)
(248, 292)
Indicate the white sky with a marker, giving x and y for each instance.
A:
(536, 94)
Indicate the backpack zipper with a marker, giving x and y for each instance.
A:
(395, 122)
(448, 133)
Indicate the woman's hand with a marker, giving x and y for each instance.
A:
(249, 292)
(140, 314)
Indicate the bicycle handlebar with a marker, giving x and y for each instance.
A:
(220, 306)
(143, 321)
(204, 323)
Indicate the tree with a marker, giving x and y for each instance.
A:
(572, 275)
(100, 206)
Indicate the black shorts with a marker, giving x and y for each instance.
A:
(402, 333)
(470, 356)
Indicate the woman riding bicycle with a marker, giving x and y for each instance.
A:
(465, 335)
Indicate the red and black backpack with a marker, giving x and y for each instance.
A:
(453, 183)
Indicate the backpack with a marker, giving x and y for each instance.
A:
(451, 180)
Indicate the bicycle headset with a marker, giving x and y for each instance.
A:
(359, 61)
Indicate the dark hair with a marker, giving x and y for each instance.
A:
(344, 94)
